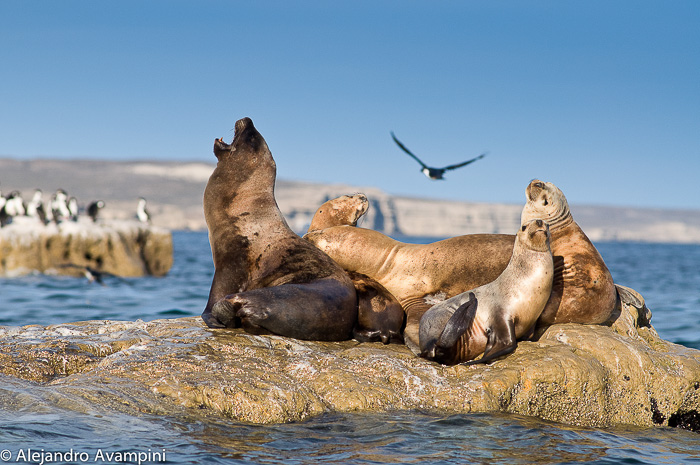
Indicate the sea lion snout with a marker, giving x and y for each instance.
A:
(533, 189)
(242, 124)
(537, 233)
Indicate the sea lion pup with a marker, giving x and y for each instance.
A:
(583, 289)
(380, 316)
(267, 279)
(491, 318)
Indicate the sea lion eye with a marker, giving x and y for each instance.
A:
(523, 228)
(545, 202)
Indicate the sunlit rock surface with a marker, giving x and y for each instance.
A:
(120, 247)
(583, 375)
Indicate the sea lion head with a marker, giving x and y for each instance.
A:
(545, 201)
(341, 211)
(243, 181)
(247, 152)
(535, 235)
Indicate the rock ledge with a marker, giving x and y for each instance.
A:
(621, 374)
(120, 247)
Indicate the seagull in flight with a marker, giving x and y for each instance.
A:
(435, 173)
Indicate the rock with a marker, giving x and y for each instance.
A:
(599, 376)
(123, 248)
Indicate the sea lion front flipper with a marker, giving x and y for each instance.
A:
(501, 341)
(459, 322)
(633, 299)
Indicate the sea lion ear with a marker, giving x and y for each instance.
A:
(458, 323)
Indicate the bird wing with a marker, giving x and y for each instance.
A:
(464, 163)
(407, 151)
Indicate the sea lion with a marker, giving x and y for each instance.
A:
(380, 316)
(583, 290)
(414, 273)
(491, 318)
(267, 279)
(343, 210)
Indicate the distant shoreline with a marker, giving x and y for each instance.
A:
(174, 192)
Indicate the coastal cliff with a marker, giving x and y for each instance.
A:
(174, 192)
(123, 248)
(621, 373)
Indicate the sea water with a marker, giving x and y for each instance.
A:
(668, 276)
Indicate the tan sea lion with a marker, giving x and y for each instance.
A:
(414, 273)
(417, 273)
(583, 290)
(267, 279)
(490, 319)
(343, 210)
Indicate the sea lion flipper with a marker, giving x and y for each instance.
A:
(501, 341)
(211, 321)
(222, 315)
(459, 323)
(632, 298)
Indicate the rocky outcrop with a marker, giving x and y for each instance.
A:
(123, 248)
(619, 374)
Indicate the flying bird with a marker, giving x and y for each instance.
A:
(434, 173)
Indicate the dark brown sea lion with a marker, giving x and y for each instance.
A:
(380, 317)
(491, 319)
(267, 279)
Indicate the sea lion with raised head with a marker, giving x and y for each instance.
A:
(343, 210)
(583, 289)
(267, 279)
(490, 319)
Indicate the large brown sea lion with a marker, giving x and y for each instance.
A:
(416, 274)
(491, 318)
(583, 289)
(267, 279)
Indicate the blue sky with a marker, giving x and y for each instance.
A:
(600, 97)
